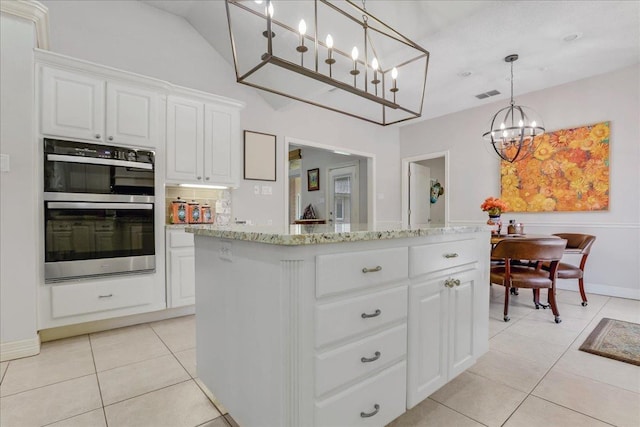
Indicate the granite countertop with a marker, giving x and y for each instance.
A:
(295, 235)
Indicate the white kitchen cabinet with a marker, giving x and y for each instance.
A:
(86, 106)
(203, 140)
(73, 104)
(358, 331)
(181, 280)
(441, 332)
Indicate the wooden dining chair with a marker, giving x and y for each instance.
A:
(579, 244)
(531, 275)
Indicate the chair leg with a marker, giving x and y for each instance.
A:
(551, 296)
(536, 300)
(582, 293)
(507, 291)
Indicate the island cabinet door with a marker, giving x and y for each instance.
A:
(461, 321)
(428, 341)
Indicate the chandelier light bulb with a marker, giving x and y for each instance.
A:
(533, 124)
(520, 123)
(394, 73)
(502, 126)
(329, 41)
(258, 1)
(302, 27)
(374, 64)
(354, 53)
(270, 10)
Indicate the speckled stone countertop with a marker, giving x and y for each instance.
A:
(295, 235)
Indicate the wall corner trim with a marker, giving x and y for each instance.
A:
(17, 349)
(33, 11)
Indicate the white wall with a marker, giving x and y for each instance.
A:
(133, 36)
(20, 260)
(614, 265)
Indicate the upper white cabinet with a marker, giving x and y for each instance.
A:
(85, 106)
(72, 104)
(203, 142)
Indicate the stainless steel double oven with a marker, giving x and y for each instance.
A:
(98, 210)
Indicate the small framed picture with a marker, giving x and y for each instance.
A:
(313, 179)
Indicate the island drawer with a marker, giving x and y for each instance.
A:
(82, 298)
(353, 316)
(349, 362)
(439, 256)
(342, 272)
(375, 401)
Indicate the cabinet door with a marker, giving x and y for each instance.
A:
(131, 115)
(72, 105)
(185, 138)
(182, 278)
(428, 343)
(461, 322)
(218, 133)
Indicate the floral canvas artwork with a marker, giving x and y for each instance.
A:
(569, 171)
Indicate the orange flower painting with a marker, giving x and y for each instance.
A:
(569, 171)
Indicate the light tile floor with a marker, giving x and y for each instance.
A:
(144, 375)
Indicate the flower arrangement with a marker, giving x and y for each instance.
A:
(494, 206)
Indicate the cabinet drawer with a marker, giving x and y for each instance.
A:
(81, 298)
(438, 256)
(344, 318)
(347, 271)
(386, 391)
(180, 239)
(337, 367)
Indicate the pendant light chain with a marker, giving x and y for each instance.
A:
(512, 84)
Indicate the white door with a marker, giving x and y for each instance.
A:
(428, 340)
(419, 192)
(131, 115)
(344, 196)
(461, 304)
(217, 146)
(185, 139)
(72, 105)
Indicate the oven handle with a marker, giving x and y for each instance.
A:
(84, 205)
(98, 161)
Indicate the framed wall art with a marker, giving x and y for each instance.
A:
(569, 171)
(259, 156)
(313, 179)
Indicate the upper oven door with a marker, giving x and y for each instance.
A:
(73, 167)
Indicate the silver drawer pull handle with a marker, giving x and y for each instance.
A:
(105, 296)
(375, 357)
(448, 283)
(376, 408)
(372, 270)
(452, 255)
(375, 314)
(457, 282)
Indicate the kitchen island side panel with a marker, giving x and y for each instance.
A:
(247, 327)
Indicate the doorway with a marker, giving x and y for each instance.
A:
(425, 200)
(346, 183)
(344, 197)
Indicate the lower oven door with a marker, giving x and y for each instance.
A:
(85, 239)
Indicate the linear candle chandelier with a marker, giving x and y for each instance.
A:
(331, 54)
(514, 128)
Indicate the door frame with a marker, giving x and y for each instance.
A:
(371, 173)
(405, 182)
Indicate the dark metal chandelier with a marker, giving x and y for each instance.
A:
(514, 128)
(331, 54)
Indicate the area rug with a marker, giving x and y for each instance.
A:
(615, 339)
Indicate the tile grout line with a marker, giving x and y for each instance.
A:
(149, 392)
(93, 357)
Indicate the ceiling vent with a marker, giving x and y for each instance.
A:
(488, 94)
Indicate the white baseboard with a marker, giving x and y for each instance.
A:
(598, 289)
(117, 322)
(17, 349)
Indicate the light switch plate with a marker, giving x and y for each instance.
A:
(5, 164)
(267, 190)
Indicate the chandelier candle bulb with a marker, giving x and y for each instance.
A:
(302, 28)
(355, 71)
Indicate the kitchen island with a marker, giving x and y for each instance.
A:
(316, 325)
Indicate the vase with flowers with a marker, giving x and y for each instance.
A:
(494, 207)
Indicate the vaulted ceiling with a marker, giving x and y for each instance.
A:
(558, 42)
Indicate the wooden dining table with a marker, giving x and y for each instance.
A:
(495, 238)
